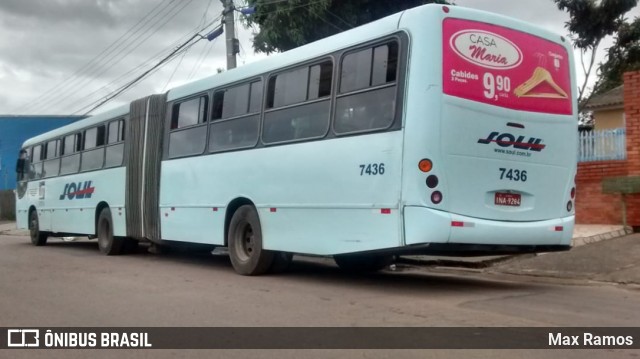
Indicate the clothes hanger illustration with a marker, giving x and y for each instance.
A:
(539, 76)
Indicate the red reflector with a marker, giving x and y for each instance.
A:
(272, 209)
(558, 228)
(385, 210)
(457, 224)
(445, 9)
(215, 209)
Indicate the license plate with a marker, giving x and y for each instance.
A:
(508, 199)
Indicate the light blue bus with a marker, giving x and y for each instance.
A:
(439, 130)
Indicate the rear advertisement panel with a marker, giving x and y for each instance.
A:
(504, 67)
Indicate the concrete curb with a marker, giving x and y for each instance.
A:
(14, 232)
(8, 228)
(461, 262)
(566, 275)
(602, 237)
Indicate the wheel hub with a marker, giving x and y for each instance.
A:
(248, 241)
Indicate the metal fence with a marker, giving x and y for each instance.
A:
(602, 145)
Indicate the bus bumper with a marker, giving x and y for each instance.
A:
(424, 225)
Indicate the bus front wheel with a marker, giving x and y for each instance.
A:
(38, 237)
(245, 243)
(107, 243)
(361, 263)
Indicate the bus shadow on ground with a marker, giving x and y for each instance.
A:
(405, 279)
(321, 270)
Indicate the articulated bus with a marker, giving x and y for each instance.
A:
(439, 130)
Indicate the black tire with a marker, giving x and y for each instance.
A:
(38, 238)
(281, 262)
(245, 243)
(362, 263)
(107, 243)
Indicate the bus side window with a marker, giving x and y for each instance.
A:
(36, 170)
(114, 152)
(67, 145)
(236, 117)
(71, 147)
(113, 132)
(189, 113)
(188, 135)
(51, 164)
(79, 143)
(304, 95)
(93, 154)
(367, 98)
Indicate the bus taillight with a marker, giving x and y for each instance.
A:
(436, 197)
(425, 165)
(573, 193)
(432, 181)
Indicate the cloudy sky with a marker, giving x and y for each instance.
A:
(65, 56)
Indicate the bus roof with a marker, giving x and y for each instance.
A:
(318, 48)
(87, 122)
(309, 51)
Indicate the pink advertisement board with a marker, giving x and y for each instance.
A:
(504, 67)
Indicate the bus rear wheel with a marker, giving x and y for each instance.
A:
(245, 243)
(362, 263)
(107, 243)
(38, 238)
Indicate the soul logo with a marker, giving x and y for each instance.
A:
(77, 191)
(508, 140)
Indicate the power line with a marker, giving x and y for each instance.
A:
(203, 55)
(290, 8)
(185, 46)
(144, 64)
(119, 56)
(128, 73)
(174, 72)
(205, 49)
(137, 79)
(321, 17)
(339, 18)
(166, 60)
(115, 57)
(55, 90)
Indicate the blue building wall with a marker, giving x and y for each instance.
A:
(14, 130)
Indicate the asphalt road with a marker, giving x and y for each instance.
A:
(71, 284)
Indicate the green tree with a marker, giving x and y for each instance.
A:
(590, 21)
(623, 56)
(284, 25)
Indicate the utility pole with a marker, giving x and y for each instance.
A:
(230, 33)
